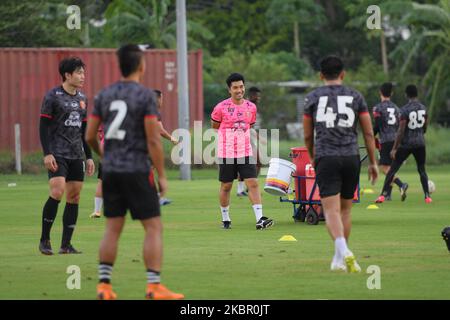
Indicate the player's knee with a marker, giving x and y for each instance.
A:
(73, 198)
(226, 187)
(252, 183)
(56, 193)
(154, 226)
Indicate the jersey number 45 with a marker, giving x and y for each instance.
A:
(327, 115)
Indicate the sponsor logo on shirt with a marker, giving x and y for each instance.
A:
(74, 120)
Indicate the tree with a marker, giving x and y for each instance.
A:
(148, 22)
(236, 24)
(295, 13)
(28, 23)
(430, 37)
(390, 11)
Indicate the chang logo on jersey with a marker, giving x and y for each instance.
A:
(74, 120)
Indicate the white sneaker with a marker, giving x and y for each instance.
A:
(352, 265)
(95, 215)
(338, 265)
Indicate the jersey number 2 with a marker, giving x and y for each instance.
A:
(114, 131)
(326, 114)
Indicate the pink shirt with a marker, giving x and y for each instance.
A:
(234, 131)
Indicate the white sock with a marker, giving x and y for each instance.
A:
(341, 246)
(225, 213)
(241, 186)
(98, 204)
(257, 208)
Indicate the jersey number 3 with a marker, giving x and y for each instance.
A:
(326, 114)
(114, 131)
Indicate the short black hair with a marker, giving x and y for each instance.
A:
(411, 91)
(234, 77)
(130, 56)
(386, 89)
(331, 67)
(158, 93)
(69, 65)
(253, 90)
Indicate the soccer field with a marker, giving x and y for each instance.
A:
(204, 261)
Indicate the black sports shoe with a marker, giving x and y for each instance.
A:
(446, 235)
(388, 196)
(226, 224)
(403, 189)
(45, 247)
(264, 223)
(68, 250)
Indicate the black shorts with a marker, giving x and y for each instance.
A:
(134, 191)
(100, 171)
(229, 168)
(419, 154)
(71, 169)
(385, 153)
(338, 175)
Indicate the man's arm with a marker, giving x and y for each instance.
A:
(90, 166)
(44, 125)
(308, 133)
(215, 124)
(155, 149)
(425, 126)
(91, 136)
(377, 125)
(49, 159)
(398, 137)
(166, 135)
(369, 141)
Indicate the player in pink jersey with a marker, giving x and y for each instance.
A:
(233, 118)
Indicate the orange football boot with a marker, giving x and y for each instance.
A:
(156, 291)
(105, 292)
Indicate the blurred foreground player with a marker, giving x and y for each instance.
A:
(129, 114)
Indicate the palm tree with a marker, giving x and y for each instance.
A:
(391, 11)
(149, 22)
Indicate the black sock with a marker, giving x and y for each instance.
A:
(105, 272)
(389, 191)
(398, 182)
(69, 222)
(48, 216)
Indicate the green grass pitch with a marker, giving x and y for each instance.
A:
(205, 262)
